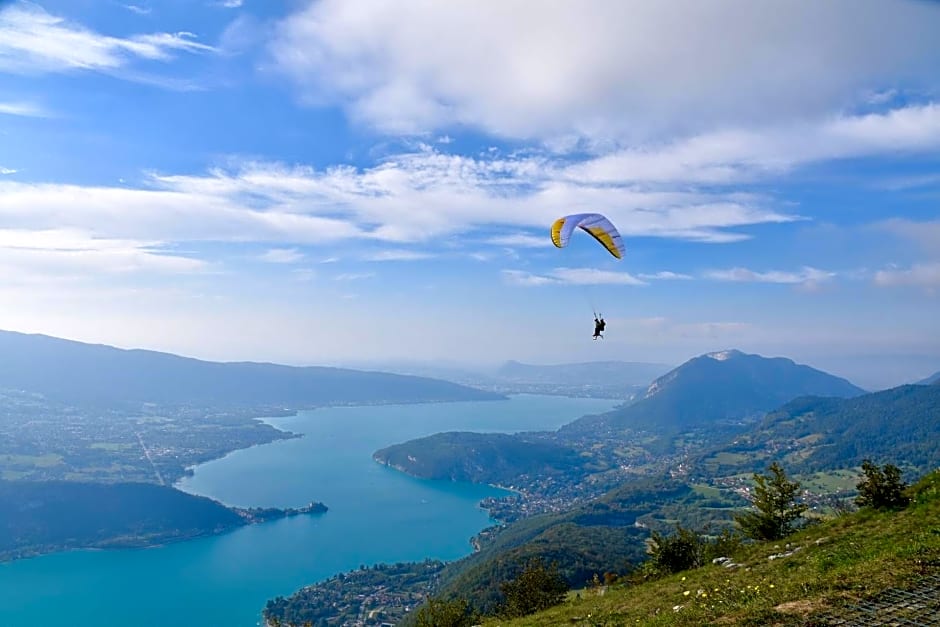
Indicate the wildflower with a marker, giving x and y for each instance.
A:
(771, 585)
(686, 593)
(683, 578)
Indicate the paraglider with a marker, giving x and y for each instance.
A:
(601, 229)
(597, 225)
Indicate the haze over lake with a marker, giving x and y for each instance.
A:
(376, 515)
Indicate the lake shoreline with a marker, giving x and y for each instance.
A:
(375, 517)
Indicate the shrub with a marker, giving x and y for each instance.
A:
(675, 553)
(440, 613)
(881, 488)
(776, 507)
(537, 587)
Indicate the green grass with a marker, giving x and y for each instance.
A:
(38, 461)
(707, 491)
(839, 561)
(113, 446)
(729, 459)
(835, 481)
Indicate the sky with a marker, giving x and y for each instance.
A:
(340, 182)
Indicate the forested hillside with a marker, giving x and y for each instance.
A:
(811, 434)
(89, 373)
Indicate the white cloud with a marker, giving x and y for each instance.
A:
(397, 255)
(59, 254)
(522, 240)
(282, 255)
(231, 4)
(24, 109)
(925, 234)
(925, 275)
(744, 275)
(909, 182)
(519, 277)
(624, 69)
(7, 170)
(139, 10)
(571, 276)
(410, 199)
(353, 276)
(32, 40)
(729, 156)
(666, 275)
(592, 276)
(419, 196)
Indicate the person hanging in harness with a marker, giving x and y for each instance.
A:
(599, 326)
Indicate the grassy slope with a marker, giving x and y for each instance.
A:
(840, 561)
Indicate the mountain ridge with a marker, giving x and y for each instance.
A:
(723, 386)
(100, 373)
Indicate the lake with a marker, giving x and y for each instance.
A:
(376, 515)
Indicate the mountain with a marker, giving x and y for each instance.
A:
(717, 388)
(934, 378)
(887, 560)
(48, 516)
(91, 373)
(494, 458)
(899, 426)
(601, 373)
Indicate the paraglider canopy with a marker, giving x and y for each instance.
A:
(594, 223)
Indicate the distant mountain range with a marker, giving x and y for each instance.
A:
(76, 372)
(934, 378)
(809, 434)
(623, 373)
(480, 457)
(600, 379)
(48, 516)
(715, 388)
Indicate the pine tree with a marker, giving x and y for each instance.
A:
(775, 502)
(881, 488)
(538, 587)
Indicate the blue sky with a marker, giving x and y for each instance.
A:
(345, 181)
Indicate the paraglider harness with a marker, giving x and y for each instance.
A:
(599, 326)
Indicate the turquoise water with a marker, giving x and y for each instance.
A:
(376, 515)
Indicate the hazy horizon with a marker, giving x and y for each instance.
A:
(870, 372)
(334, 182)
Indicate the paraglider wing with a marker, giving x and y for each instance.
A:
(594, 223)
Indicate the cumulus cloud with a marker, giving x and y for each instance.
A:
(571, 276)
(520, 277)
(353, 276)
(666, 275)
(926, 275)
(728, 156)
(23, 109)
(33, 40)
(744, 275)
(397, 255)
(625, 69)
(521, 240)
(139, 10)
(61, 254)
(282, 255)
(925, 234)
(7, 170)
(420, 196)
(410, 200)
